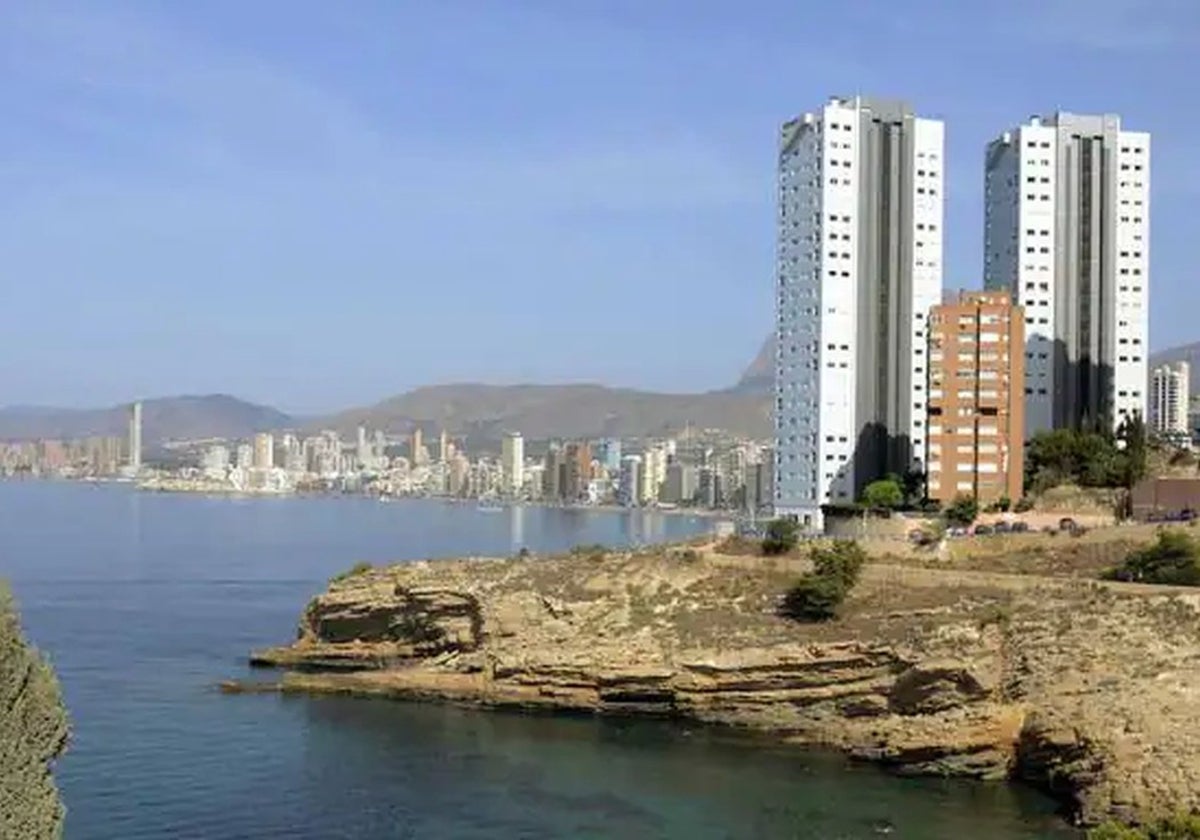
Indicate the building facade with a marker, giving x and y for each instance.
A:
(135, 438)
(976, 425)
(1066, 232)
(512, 463)
(859, 264)
(1169, 405)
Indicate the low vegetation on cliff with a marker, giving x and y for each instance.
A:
(359, 568)
(817, 595)
(1184, 827)
(1173, 558)
(33, 732)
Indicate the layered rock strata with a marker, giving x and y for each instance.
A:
(1088, 690)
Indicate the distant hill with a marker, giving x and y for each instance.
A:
(165, 418)
(759, 377)
(482, 413)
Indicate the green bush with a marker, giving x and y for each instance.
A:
(818, 595)
(782, 536)
(359, 568)
(884, 494)
(1023, 505)
(33, 733)
(1182, 827)
(962, 511)
(1173, 558)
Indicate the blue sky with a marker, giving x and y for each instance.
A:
(303, 206)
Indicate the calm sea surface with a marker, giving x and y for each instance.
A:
(144, 601)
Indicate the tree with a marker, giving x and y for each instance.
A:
(962, 511)
(1004, 504)
(914, 487)
(33, 732)
(1131, 439)
(782, 536)
(818, 594)
(884, 494)
(1173, 558)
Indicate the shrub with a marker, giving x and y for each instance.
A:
(359, 568)
(1023, 505)
(884, 494)
(1003, 504)
(782, 536)
(1173, 558)
(962, 511)
(1183, 827)
(817, 595)
(33, 733)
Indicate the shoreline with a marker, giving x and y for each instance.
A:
(927, 672)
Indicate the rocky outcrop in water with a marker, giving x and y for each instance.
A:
(33, 732)
(1088, 690)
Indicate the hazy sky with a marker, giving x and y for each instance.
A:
(312, 208)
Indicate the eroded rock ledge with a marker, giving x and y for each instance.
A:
(1090, 691)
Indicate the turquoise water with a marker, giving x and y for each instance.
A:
(144, 601)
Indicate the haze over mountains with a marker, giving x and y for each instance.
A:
(481, 413)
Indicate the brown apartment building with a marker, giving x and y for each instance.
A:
(976, 424)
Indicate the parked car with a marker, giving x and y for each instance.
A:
(1066, 524)
(1002, 527)
(1187, 515)
(1020, 527)
(982, 530)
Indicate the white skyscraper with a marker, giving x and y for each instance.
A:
(1169, 386)
(135, 438)
(512, 462)
(1067, 227)
(859, 264)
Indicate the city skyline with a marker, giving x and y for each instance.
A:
(161, 146)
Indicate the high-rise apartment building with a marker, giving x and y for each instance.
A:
(512, 462)
(1169, 386)
(417, 454)
(1067, 227)
(264, 451)
(976, 434)
(859, 264)
(135, 438)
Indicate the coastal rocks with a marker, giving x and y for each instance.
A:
(1088, 691)
(430, 620)
(937, 685)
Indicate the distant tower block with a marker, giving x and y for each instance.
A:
(135, 437)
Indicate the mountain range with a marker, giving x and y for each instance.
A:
(480, 413)
(163, 419)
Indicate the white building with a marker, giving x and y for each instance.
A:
(135, 438)
(1169, 386)
(859, 264)
(629, 484)
(652, 474)
(1067, 226)
(512, 463)
(264, 451)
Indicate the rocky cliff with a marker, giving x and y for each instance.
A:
(1088, 690)
(33, 732)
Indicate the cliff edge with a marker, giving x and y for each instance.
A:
(1088, 690)
(33, 732)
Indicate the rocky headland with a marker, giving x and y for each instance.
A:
(1088, 690)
